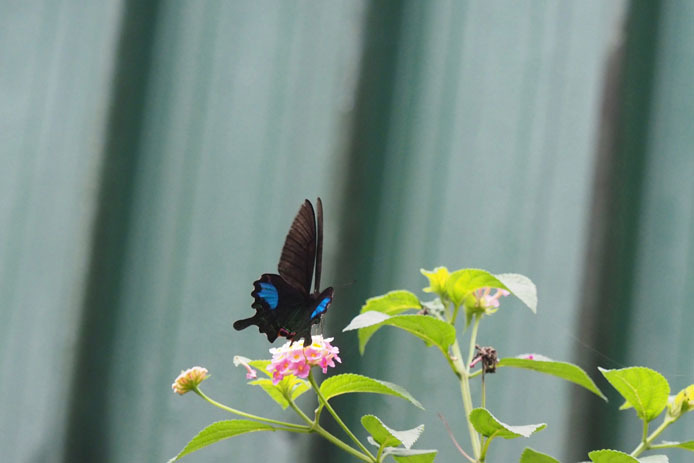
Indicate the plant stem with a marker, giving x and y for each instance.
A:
(462, 372)
(646, 440)
(315, 427)
(339, 421)
(288, 426)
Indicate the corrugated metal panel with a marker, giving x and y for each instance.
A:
(54, 89)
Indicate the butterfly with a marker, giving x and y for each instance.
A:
(284, 303)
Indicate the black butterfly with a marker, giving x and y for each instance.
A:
(284, 303)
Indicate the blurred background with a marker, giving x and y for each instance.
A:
(153, 155)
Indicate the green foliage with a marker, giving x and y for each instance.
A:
(486, 424)
(532, 456)
(349, 382)
(644, 389)
(219, 431)
(522, 287)
(429, 329)
(689, 445)
(387, 437)
(563, 370)
(411, 455)
(289, 387)
(392, 303)
(463, 282)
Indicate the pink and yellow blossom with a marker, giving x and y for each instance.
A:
(297, 360)
(189, 379)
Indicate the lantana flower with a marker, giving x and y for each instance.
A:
(244, 362)
(295, 359)
(189, 379)
(486, 300)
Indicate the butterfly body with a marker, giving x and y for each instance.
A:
(284, 303)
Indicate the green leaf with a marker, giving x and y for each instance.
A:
(533, 456)
(486, 424)
(290, 386)
(349, 382)
(611, 456)
(521, 287)
(615, 456)
(392, 303)
(261, 365)
(219, 431)
(563, 370)
(273, 391)
(411, 456)
(431, 330)
(462, 282)
(387, 437)
(654, 459)
(645, 389)
(689, 445)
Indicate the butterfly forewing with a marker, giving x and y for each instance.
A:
(299, 251)
(319, 244)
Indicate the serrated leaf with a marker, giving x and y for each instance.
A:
(564, 370)
(290, 386)
(486, 424)
(611, 456)
(645, 389)
(521, 287)
(410, 455)
(533, 456)
(392, 303)
(273, 391)
(429, 329)
(463, 282)
(388, 437)
(261, 365)
(347, 383)
(654, 459)
(689, 445)
(380, 433)
(219, 431)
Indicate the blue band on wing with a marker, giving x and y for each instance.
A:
(321, 308)
(268, 293)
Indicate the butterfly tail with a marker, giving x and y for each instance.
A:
(245, 323)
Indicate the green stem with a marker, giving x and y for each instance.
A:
(473, 342)
(288, 426)
(339, 421)
(462, 372)
(314, 426)
(647, 440)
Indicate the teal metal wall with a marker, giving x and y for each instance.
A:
(154, 153)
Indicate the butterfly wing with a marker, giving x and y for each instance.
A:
(278, 308)
(299, 252)
(319, 244)
(284, 304)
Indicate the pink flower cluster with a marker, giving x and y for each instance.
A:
(295, 359)
(484, 298)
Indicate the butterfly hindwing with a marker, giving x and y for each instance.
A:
(284, 303)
